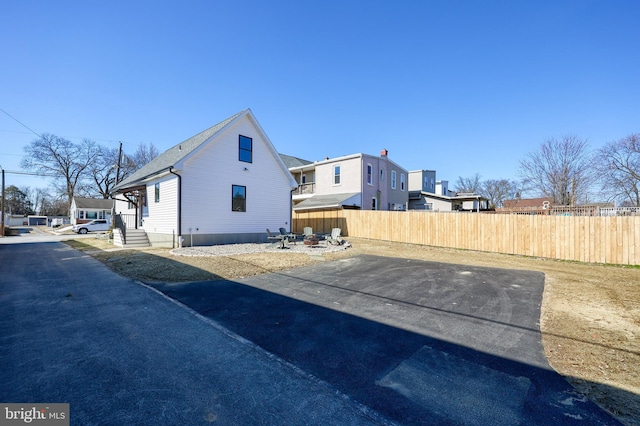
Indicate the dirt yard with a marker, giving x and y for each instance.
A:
(590, 313)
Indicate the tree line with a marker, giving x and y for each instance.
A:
(570, 173)
(85, 169)
(563, 169)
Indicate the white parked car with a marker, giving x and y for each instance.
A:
(95, 225)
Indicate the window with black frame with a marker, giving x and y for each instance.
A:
(238, 198)
(245, 145)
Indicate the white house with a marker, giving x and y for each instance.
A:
(84, 210)
(226, 184)
(357, 181)
(427, 193)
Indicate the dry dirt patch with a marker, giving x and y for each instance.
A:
(590, 313)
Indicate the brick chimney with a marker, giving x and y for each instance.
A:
(384, 152)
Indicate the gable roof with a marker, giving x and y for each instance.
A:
(174, 154)
(168, 159)
(526, 202)
(290, 161)
(92, 203)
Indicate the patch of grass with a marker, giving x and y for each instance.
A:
(89, 244)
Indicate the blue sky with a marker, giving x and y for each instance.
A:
(462, 87)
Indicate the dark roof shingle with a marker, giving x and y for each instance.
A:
(174, 154)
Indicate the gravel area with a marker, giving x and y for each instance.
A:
(233, 249)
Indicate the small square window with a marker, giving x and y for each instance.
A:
(245, 145)
(238, 198)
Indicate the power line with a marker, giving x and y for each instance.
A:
(21, 123)
(15, 172)
(64, 136)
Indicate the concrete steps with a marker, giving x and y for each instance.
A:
(135, 238)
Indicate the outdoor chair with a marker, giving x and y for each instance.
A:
(278, 239)
(290, 237)
(335, 238)
(308, 232)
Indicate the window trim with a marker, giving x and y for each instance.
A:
(243, 208)
(393, 179)
(242, 150)
(369, 174)
(337, 176)
(402, 182)
(157, 192)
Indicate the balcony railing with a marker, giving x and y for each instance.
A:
(305, 188)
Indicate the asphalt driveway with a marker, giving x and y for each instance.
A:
(360, 341)
(119, 353)
(419, 342)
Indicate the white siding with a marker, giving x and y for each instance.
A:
(208, 176)
(162, 217)
(122, 207)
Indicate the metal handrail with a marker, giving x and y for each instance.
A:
(122, 226)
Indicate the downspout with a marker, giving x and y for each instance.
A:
(179, 205)
(291, 212)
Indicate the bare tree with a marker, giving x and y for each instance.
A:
(499, 190)
(104, 170)
(53, 206)
(144, 154)
(619, 167)
(468, 184)
(38, 197)
(67, 162)
(561, 169)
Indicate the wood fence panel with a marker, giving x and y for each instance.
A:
(619, 240)
(635, 243)
(627, 236)
(608, 239)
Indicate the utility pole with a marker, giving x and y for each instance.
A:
(118, 166)
(2, 232)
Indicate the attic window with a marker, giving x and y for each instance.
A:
(246, 149)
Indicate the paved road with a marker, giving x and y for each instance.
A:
(122, 354)
(367, 340)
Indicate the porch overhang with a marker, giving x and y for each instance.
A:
(330, 201)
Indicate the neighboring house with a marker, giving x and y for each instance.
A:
(357, 181)
(427, 193)
(226, 184)
(545, 206)
(528, 203)
(84, 210)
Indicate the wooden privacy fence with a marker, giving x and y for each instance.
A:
(594, 239)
